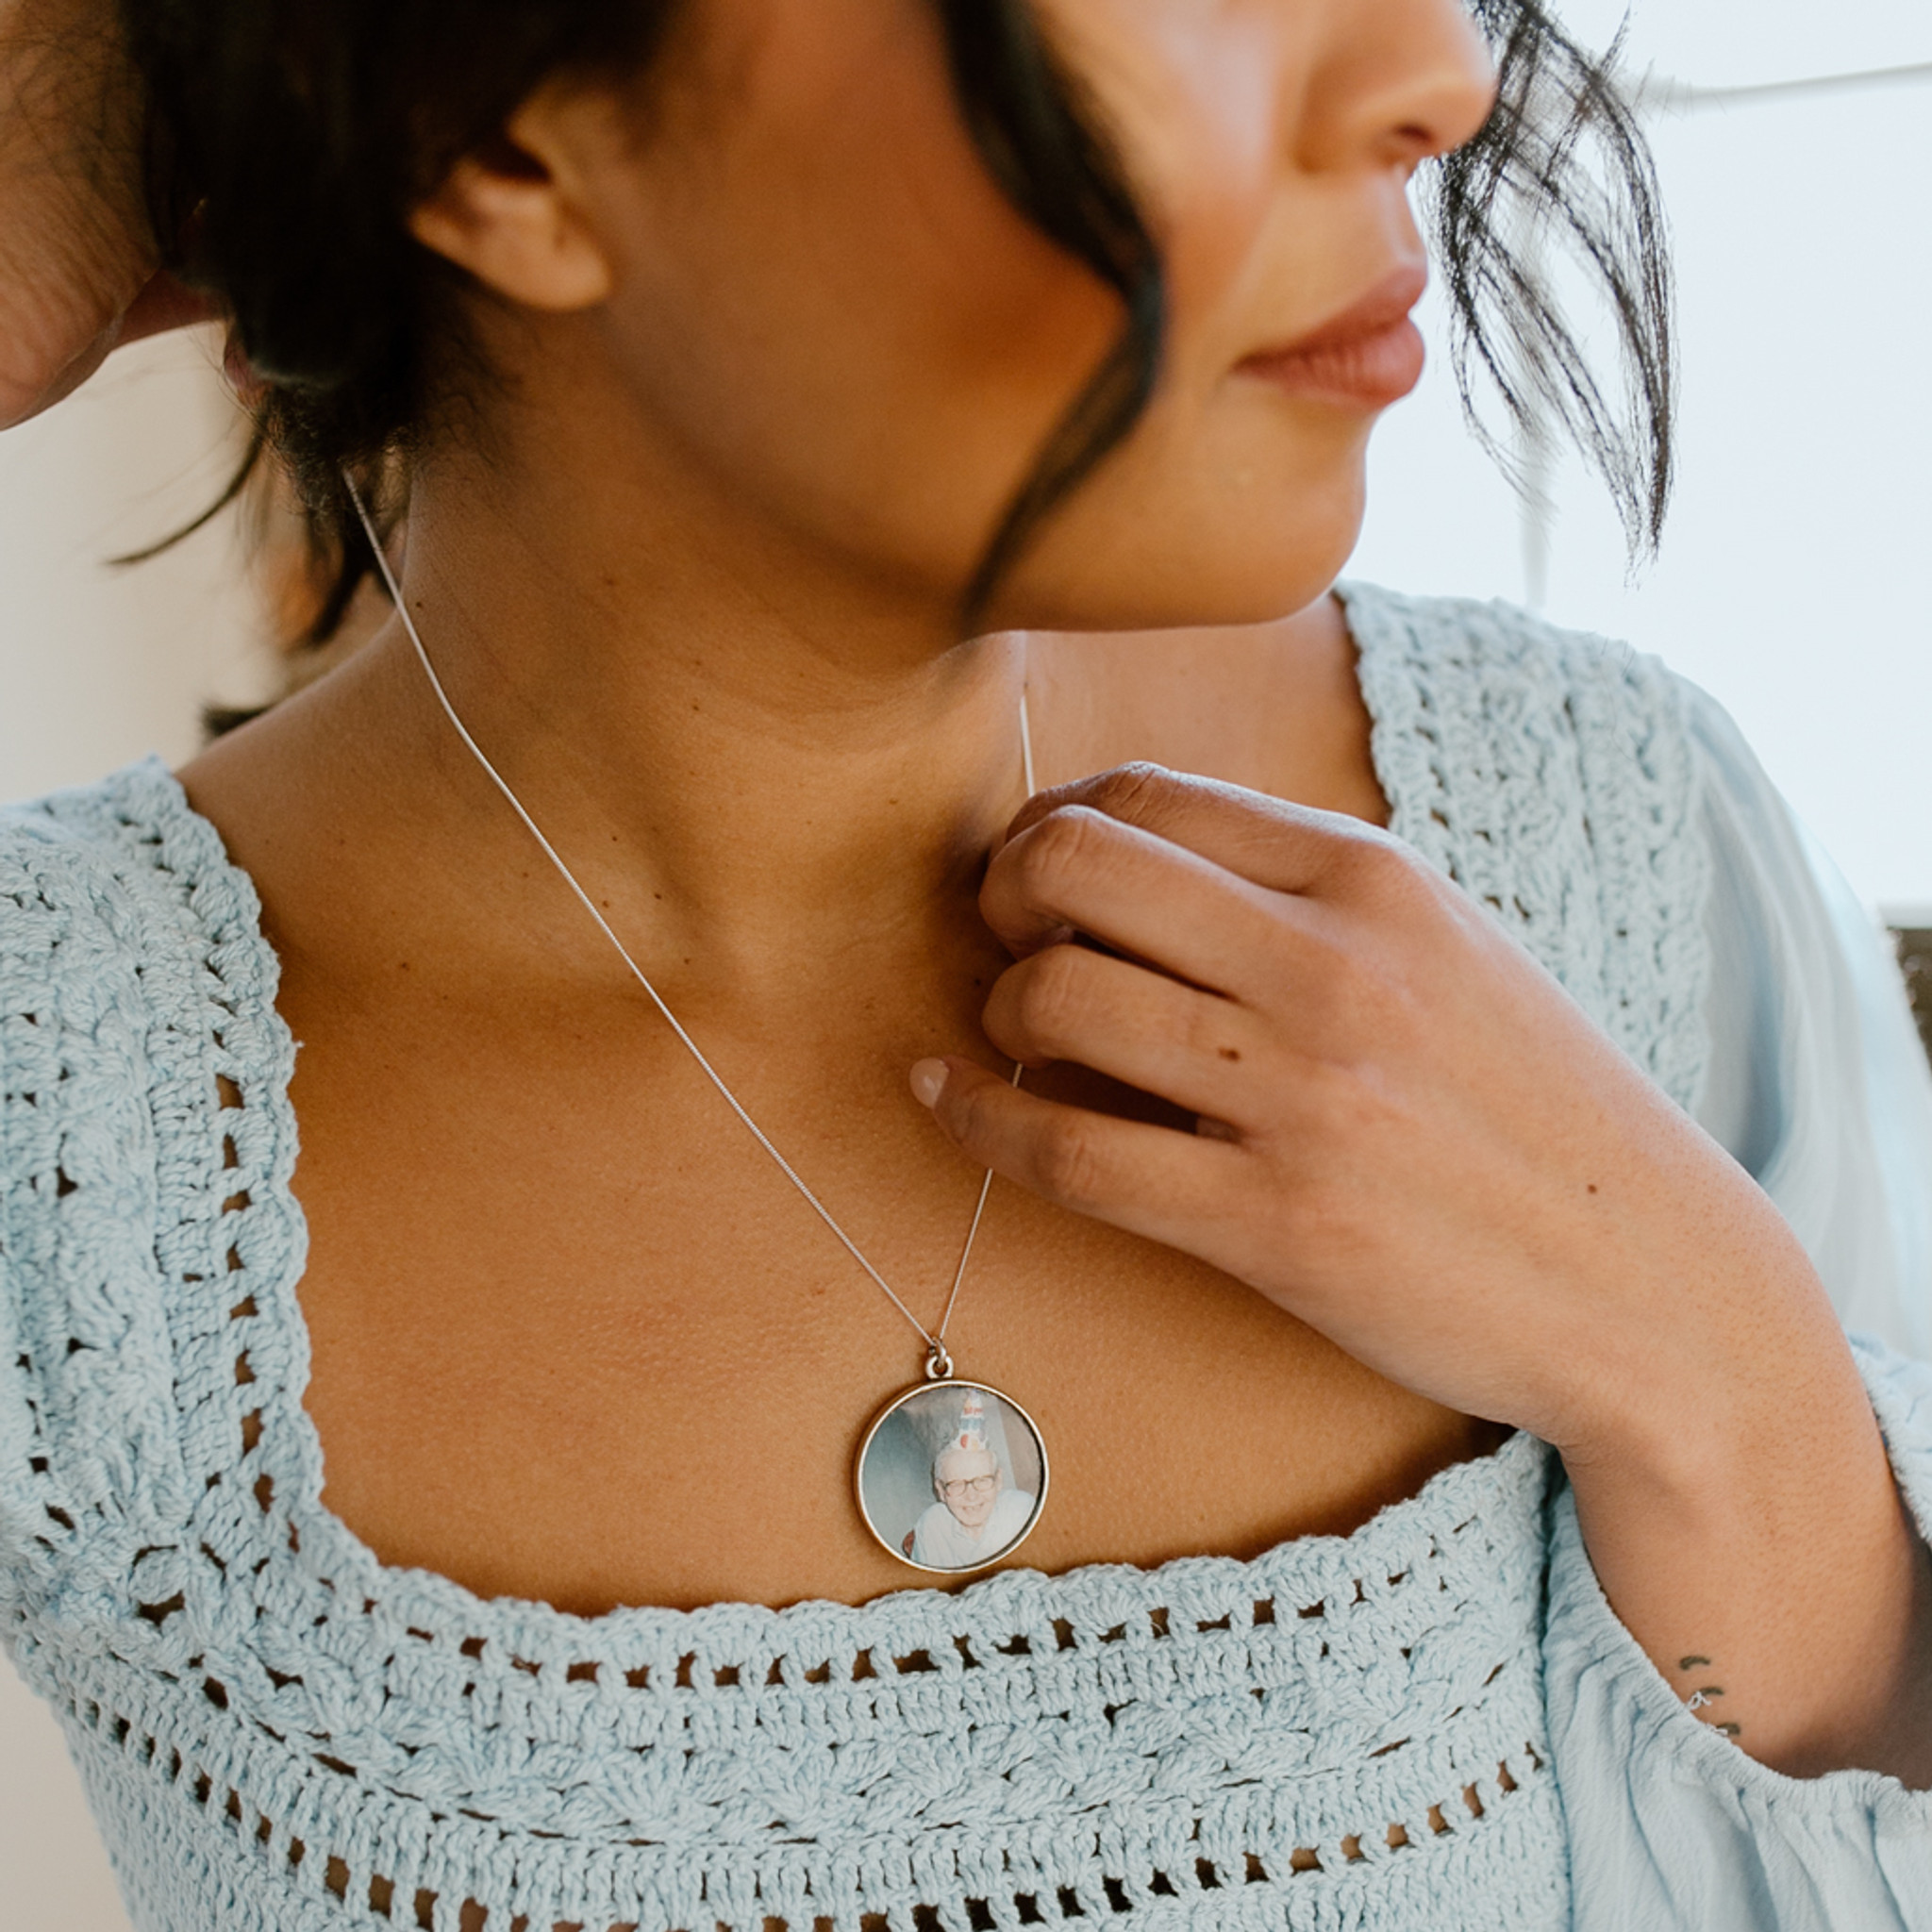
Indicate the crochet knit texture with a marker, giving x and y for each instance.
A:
(278, 1733)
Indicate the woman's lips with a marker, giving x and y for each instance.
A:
(1368, 356)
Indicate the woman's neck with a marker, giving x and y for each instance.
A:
(746, 781)
(751, 754)
(771, 773)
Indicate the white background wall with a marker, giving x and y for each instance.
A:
(98, 665)
(1790, 583)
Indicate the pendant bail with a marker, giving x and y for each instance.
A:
(939, 1364)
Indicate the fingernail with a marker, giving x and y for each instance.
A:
(928, 1081)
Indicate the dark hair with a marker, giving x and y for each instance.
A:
(288, 139)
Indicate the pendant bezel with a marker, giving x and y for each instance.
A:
(926, 1389)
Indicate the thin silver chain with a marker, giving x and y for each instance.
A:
(938, 1363)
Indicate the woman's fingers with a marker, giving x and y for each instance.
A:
(1284, 847)
(162, 304)
(1202, 879)
(1148, 1180)
(1068, 1003)
(1079, 871)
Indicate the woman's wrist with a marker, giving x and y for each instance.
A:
(1747, 1530)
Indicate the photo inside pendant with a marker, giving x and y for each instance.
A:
(952, 1477)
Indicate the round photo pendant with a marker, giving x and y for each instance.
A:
(951, 1476)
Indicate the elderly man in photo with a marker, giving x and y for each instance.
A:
(975, 1516)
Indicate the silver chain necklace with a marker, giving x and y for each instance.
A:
(951, 1475)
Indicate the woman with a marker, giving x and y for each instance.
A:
(713, 365)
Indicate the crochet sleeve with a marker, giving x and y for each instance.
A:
(1672, 1827)
(90, 1451)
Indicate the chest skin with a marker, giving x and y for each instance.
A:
(574, 1338)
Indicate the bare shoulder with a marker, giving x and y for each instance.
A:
(324, 802)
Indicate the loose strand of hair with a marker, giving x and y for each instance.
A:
(1528, 162)
(1045, 143)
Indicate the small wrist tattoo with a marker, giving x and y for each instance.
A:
(1701, 1696)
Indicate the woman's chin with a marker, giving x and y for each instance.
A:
(1226, 558)
(1216, 589)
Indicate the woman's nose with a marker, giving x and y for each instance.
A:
(1399, 82)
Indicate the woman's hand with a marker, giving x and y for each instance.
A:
(1414, 1141)
(77, 260)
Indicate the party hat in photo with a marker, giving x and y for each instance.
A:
(971, 1434)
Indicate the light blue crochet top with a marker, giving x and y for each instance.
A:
(1434, 1723)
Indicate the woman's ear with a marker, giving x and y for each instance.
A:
(514, 212)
